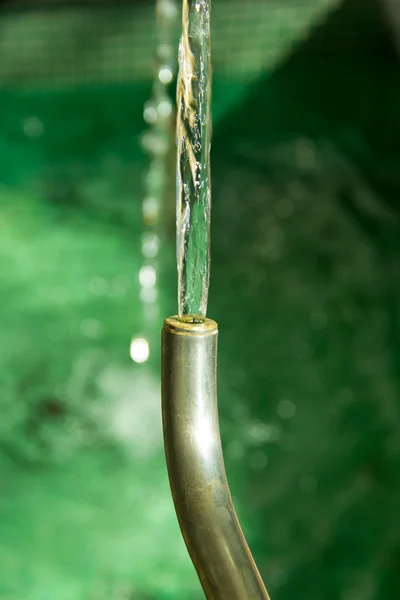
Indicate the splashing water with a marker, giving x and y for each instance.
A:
(193, 160)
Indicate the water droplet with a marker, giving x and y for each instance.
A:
(165, 74)
(235, 450)
(261, 433)
(147, 276)
(150, 210)
(279, 577)
(150, 113)
(33, 127)
(168, 9)
(98, 286)
(148, 295)
(155, 144)
(240, 410)
(150, 245)
(139, 350)
(286, 409)
(165, 108)
(164, 51)
(119, 286)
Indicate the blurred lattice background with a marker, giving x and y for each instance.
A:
(305, 287)
(59, 43)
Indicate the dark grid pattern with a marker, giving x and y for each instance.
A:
(58, 44)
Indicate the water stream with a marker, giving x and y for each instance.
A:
(193, 160)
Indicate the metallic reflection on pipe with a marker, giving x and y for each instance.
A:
(195, 463)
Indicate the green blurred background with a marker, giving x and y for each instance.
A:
(305, 285)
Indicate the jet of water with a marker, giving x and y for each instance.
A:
(193, 160)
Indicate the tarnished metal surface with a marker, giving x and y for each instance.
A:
(196, 469)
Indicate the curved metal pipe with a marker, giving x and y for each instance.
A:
(200, 489)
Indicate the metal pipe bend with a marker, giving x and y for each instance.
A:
(199, 486)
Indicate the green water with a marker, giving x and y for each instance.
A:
(306, 255)
(193, 161)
